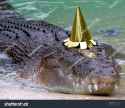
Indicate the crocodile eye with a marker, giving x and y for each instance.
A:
(67, 33)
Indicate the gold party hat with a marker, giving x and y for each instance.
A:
(80, 34)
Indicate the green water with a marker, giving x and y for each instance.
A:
(99, 14)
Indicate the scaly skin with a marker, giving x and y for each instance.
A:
(37, 49)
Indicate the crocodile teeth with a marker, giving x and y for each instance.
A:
(70, 77)
(77, 84)
(74, 84)
(90, 88)
(116, 86)
(95, 87)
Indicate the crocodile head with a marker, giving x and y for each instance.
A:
(69, 71)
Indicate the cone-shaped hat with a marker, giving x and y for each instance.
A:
(80, 32)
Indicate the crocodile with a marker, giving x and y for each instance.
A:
(37, 48)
